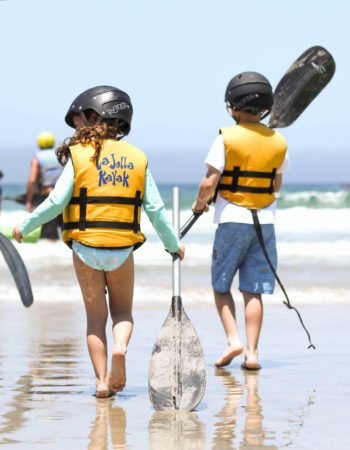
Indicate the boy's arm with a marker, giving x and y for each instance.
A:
(278, 182)
(285, 167)
(206, 189)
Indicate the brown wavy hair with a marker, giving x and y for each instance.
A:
(91, 135)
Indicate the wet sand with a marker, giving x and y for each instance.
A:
(298, 400)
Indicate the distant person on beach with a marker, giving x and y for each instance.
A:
(244, 170)
(1, 177)
(104, 183)
(43, 174)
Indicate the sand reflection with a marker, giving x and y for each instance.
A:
(176, 430)
(253, 433)
(51, 370)
(225, 427)
(108, 426)
(15, 418)
(56, 369)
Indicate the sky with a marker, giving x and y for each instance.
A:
(174, 58)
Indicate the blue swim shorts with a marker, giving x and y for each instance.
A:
(236, 247)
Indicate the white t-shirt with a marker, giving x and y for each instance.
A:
(226, 211)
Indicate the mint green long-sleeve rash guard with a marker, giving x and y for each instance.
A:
(62, 193)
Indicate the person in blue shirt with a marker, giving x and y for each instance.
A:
(1, 177)
(43, 174)
(104, 183)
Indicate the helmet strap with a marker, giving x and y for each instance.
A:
(236, 119)
(264, 114)
(83, 116)
(231, 110)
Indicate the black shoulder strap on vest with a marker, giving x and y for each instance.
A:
(84, 200)
(260, 237)
(237, 173)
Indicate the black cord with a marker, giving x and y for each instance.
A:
(260, 237)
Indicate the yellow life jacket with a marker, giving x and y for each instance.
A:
(253, 153)
(105, 208)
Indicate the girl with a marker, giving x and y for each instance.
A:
(102, 187)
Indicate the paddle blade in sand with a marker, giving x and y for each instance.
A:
(17, 269)
(177, 367)
(303, 81)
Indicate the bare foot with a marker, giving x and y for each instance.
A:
(117, 377)
(230, 353)
(102, 390)
(251, 361)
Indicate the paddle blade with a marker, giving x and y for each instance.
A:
(304, 80)
(177, 367)
(176, 430)
(17, 269)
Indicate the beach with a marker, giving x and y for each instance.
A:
(298, 400)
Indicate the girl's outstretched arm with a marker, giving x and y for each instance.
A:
(155, 210)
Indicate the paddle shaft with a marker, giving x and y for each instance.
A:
(177, 367)
(176, 306)
(191, 221)
(176, 258)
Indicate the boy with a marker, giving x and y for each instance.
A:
(245, 165)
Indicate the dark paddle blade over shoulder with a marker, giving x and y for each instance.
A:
(303, 81)
(18, 270)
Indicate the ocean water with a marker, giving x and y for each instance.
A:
(313, 240)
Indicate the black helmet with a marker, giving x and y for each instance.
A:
(249, 91)
(107, 101)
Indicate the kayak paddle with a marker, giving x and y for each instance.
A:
(177, 367)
